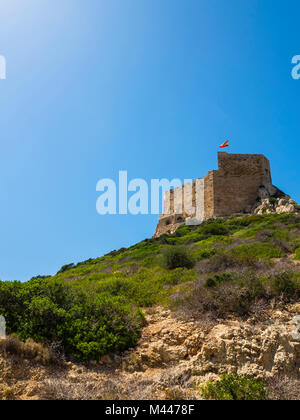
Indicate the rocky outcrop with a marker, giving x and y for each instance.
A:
(230, 346)
(276, 205)
(167, 225)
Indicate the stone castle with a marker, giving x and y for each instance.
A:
(240, 185)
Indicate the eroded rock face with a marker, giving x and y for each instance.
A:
(231, 346)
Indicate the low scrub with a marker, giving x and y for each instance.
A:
(284, 284)
(257, 250)
(234, 388)
(204, 253)
(218, 279)
(235, 293)
(214, 228)
(178, 257)
(229, 260)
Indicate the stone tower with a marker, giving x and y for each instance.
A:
(239, 183)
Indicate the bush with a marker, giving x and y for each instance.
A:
(229, 298)
(222, 261)
(284, 284)
(234, 388)
(272, 201)
(218, 279)
(219, 301)
(66, 268)
(178, 257)
(87, 325)
(214, 229)
(204, 253)
(297, 254)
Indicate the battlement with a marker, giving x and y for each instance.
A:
(241, 179)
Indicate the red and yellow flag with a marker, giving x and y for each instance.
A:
(226, 144)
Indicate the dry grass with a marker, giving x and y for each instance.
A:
(63, 390)
(111, 389)
(13, 347)
(283, 388)
(7, 393)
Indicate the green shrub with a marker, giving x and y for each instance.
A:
(236, 224)
(272, 201)
(177, 257)
(142, 289)
(183, 230)
(66, 268)
(257, 250)
(215, 239)
(218, 279)
(214, 229)
(284, 284)
(203, 253)
(297, 254)
(234, 388)
(87, 325)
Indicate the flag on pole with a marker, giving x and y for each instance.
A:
(226, 144)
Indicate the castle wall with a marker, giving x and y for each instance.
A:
(233, 188)
(209, 203)
(182, 204)
(236, 183)
(200, 203)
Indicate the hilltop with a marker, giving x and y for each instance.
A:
(163, 315)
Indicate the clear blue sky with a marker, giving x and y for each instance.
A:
(148, 86)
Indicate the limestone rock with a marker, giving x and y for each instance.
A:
(272, 205)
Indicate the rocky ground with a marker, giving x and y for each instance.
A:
(174, 355)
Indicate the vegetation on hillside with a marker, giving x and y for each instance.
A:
(225, 266)
(234, 388)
